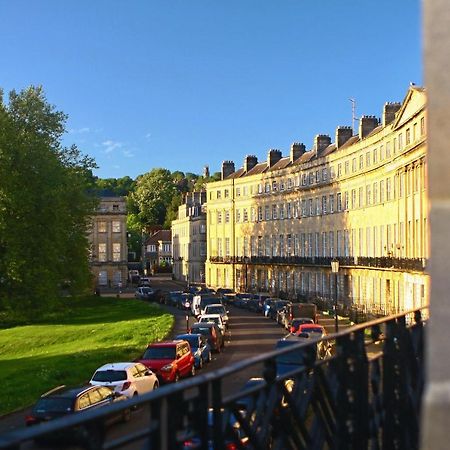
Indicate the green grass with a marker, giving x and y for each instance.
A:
(68, 344)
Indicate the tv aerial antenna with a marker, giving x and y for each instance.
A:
(353, 102)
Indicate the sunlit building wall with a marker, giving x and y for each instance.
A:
(276, 225)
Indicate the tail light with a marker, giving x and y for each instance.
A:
(231, 446)
(30, 420)
(292, 329)
(126, 385)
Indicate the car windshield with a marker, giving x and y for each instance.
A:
(159, 353)
(54, 404)
(279, 305)
(146, 290)
(313, 330)
(205, 331)
(211, 319)
(215, 310)
(109, 375)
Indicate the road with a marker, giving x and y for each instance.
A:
(249, 334)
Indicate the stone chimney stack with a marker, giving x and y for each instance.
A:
(297, 150)
(389, 111)
(343, 134)
(206, 171)
(227, 169)
(250, 161)
(273, 157)
(366, 125)
(321, 142)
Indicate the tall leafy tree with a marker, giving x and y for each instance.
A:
(153, 194)
(44, 206)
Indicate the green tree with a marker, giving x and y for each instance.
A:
(172, 210)
(44, 206)
(153, 194)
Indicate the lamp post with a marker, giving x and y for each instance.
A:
(335, 270)
(246, 273)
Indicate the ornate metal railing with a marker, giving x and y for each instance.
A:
(386, 262)
(364, 392)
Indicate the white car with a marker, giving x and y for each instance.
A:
(127, 378)
(215, 318)
(218, 308)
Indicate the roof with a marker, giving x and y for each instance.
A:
(63, 391)
(117, 366)
(160, 235)
(163, 344)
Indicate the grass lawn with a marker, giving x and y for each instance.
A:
(68, 344)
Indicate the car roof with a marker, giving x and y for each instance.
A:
(186, 336)
(215, 304)
(203, 325)
(307, 326)
(210, 316)
(63, 391)
(117, 366)
(163, 344)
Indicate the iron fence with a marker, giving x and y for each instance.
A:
(358, 389)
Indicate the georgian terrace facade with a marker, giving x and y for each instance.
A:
(275, 226)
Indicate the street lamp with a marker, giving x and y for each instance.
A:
(246, 273)
(335, 270)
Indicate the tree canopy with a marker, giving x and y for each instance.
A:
(45, 208)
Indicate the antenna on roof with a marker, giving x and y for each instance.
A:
(353, 101)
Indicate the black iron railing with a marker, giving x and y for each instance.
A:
(358, 389)
(344, 261)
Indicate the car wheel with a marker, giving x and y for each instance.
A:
(200, 364)
(177, 378)
(192, 370)
(209, 357)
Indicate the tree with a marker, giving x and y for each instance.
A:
(44, 205)
(172, 210)
(153, 194)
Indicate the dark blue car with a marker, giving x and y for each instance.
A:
(199, 347)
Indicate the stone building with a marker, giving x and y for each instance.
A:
(108, 236)
(276, 225)
(158, 251)
(189, 239)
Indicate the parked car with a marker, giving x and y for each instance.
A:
(200, 348)
(144, 281)
(297, 358)
(126, 378)
(292, 310)
(267, 304)
(63, 401)
(224, 291)
(242, 298)
(173, 298)
(170, 360)
(201, 301)
(297, 321)
(218, 309)
(215, 318)
(275, 307)
(248, 403)
(212, 333)
(145, 293)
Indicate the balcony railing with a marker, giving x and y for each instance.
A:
(344, 261)
(358, 389)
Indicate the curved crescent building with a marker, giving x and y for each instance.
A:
(277, 225)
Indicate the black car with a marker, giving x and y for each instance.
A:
(173, 298)
(275, 307)
(63, 401)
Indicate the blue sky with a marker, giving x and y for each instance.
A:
(182, 84)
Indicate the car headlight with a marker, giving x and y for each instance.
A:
(167, 368)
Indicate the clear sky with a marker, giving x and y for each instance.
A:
(182, 84)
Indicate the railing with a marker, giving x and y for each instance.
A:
(363, 392)
(344, 261)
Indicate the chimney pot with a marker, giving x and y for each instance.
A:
(297, 150)
(250, 161)
(273, 157)
(227, 169)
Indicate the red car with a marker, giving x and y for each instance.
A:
(170, 360)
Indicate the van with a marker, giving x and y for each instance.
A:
(297, 310)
